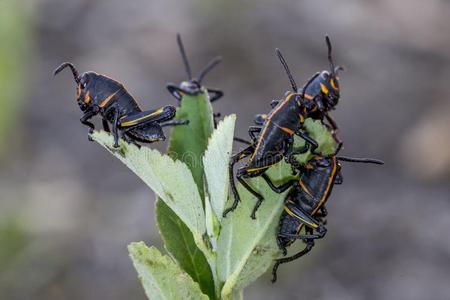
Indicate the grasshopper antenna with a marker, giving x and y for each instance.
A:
(76, 76)
(330, 57)
(361, 160)
(288, 72)
(184, 56)
(214, 62)
(333, 69)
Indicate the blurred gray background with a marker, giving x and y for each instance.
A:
(68, 208)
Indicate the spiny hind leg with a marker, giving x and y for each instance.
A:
(281, 188)
(127, 138)
(241, 175)
(105, 125)
(234, 159)
(142, 118)
(253, 132)
(278, 262)
(147, 134)
(309, 234)
(339, 179)
(321, 215)
(334, 130)
(174, 123)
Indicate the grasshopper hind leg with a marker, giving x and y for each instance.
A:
(146, 134)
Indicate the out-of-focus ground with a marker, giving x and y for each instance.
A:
(68, 209)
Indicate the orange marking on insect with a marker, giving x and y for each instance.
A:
(302, 119)
(136, 121)
(289, 212)
(303, 186)
(329, 185)
(292, 214)
(103, 104)
(87, 98)
(78, 91)
(268, 120)
(260, 140)
(281, 105)
(323, 88)
(333, 84)
(308, 97)
(258, 168)
(285, 129)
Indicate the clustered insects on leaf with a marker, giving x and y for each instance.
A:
(272, 140)
(276, 132)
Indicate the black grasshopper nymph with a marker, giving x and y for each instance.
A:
(193, 85)
(321, 94)
(272, 140)
(305, 203)
(99, 94)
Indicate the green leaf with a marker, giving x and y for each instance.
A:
(247, 247)
(188, 143)
(216, 161)
(321, 135)
(212, 224)
(171, 180)
(161, 277)
(179, 242)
